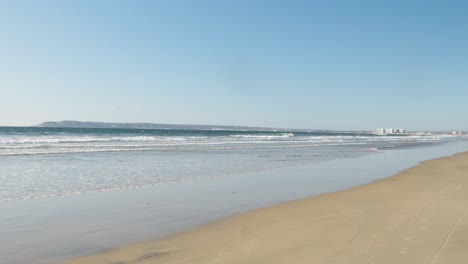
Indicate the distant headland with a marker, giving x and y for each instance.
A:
(81, 124)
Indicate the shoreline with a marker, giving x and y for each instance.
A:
(405, 218)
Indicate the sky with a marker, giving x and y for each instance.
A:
(290, 64)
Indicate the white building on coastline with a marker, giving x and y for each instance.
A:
(385, 131)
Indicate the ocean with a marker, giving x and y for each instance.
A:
(43, 162)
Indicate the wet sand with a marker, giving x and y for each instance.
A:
(417, 216)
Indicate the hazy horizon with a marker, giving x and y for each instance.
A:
(313, 65)
(224, 125)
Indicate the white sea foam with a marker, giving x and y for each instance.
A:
(265, 136)
(36, 145)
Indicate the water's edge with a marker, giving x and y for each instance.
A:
(86, 224)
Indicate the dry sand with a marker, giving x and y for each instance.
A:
(417, 216)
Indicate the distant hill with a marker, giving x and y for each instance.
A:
(80, 124)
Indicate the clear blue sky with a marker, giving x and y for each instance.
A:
(300, 64)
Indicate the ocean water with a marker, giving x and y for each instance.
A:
(46, 162)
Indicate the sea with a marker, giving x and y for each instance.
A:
(84, 190)
(43, 162)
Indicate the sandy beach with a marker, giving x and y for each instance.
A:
(417, 216)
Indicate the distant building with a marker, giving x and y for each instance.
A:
(385, 131)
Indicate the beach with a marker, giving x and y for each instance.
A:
(233, 132)
(416, 216)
